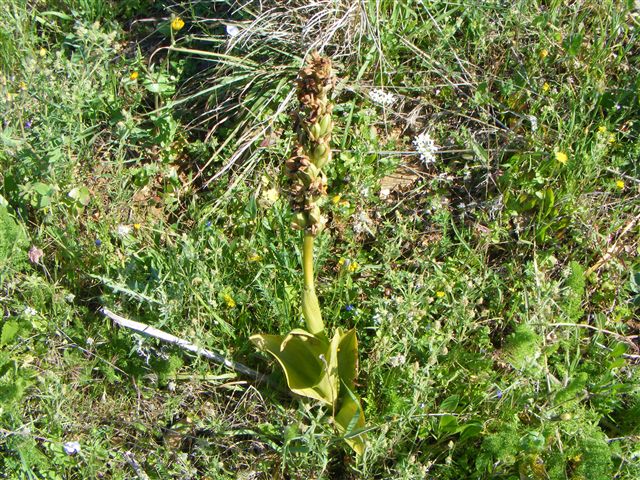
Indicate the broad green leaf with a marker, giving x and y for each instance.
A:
(347, 357)
(311, 311)
(619, 350)
(350, 419)
(9, 331)
(450, 404)
(469, 430)
(80, 195)
(301, 355)
(447, 424)
(43, 189)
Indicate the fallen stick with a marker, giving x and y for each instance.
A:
(184, 344)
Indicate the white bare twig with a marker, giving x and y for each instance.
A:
(184, 344)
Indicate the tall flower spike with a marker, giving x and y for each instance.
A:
(313, 125)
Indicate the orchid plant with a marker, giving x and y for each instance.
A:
(315, 365)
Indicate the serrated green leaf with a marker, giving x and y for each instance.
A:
(9, 331)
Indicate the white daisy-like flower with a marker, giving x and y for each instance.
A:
(381, 97)
(426, 147)
(124, 230)
(30, 311)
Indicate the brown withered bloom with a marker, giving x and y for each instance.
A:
(313, 124)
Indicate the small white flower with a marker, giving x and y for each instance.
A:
(232, 30)
(397, 360)
(30, 311)
(381, 97)
(426, 147)
(534, 122)
(362, 223)
(124, 230)
(71, 448)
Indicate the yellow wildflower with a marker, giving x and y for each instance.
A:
(137, 226)
(133, 76)
(544, 53)
(22, 86)
(620, 184)
(255, 258)
(342, 261)
(228, 299)
(335, 199)
(353, 266)
(602, 129)
(612, 138)
(177, 24)
(545, 87)
(440, 294)
(42, 52)
(562, 157)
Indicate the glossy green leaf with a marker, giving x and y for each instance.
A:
(350, 419)
(347, 357)
(311, 311)
(304, 359)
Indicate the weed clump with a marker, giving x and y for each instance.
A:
(523, 348)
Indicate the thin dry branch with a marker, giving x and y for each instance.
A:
(184, 344)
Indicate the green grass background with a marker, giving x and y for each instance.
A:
(495, 293)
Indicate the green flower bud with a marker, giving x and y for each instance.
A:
(314, 215)
(315, 132)
(326, 125)
(321, 154)
(299, 221)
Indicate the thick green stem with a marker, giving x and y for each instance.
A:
(307, 261)
(310, 304)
